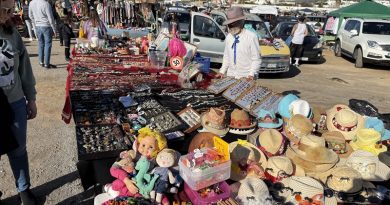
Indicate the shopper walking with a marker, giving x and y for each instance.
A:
(242, 52)
(17, 82)
(298, 33)
(67, 33)
(40, 12)
(30, 26)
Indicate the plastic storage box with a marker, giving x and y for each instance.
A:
(196, 199)
(206, 177)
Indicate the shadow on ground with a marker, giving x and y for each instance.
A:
(45, 189)
(368, 66)
(294, 71)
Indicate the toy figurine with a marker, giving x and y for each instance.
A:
(146, 147)
(166, 159)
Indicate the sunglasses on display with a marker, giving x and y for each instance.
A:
(355, 197)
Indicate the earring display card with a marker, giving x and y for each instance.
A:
(191, 118)
(234, 91)
(270, 103)
(252, 96)
(101, 141)
(221, 85)
(165, 122)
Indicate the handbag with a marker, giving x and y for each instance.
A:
(288, 40)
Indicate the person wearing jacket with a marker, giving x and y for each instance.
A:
(67, 33)
(17, 82)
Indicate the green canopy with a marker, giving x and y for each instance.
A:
(365, 9)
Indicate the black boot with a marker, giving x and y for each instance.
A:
(28, 197)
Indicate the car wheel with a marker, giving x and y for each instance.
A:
(337, 49)
(358, 58)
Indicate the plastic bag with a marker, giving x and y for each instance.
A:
(288, 40)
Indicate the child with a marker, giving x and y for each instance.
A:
(67, 33)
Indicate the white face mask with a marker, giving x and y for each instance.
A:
(235, 30)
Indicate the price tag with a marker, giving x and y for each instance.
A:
(176, 63)
(222, 147)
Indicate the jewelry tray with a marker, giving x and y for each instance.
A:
(270, 103)
(101, 141)
(251, 96)
(221, 85)
(191, 118)
(165, 122)
(234, 91)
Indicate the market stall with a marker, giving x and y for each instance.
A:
(148, 132)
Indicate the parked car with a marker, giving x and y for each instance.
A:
(274, 60)
(312, 46)
(317, 22)
(183, 17)
(365, 40)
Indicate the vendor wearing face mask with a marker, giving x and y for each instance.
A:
(242, 52)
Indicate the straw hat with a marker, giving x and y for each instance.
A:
(202, 139)
(282, 165)
(291, 105)
(214, 121)
(297, 127)
(319, 119)
(241, 123)
(250, 190)
(247, 160)
(343, 179)
(267, 119)
(378, 125)
(368, 165)
(336, 142)
(312, 155)
(234, 14)
(270, 141)
(342, 118)
(306, 187)
(367, 139)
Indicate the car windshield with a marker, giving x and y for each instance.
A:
(286, 28)
(259, 27)
(379, 28)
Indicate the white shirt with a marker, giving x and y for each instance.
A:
(299, 34)
(247, 55)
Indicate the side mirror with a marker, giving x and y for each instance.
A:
(354, 33)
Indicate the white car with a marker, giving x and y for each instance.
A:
(365, 40)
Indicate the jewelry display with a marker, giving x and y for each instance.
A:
(221, 85)
(106, 139)
(165, 122)
(191, 118)
(252, 96)
(234, 91)
(270, 103)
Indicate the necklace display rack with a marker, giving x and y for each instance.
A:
(251, 96)
(221, 85)
(234, 91)
(270, 103)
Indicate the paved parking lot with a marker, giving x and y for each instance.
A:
(52, 145)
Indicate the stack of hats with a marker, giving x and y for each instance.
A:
(214, 121)
(291, 105)
(270, 141)
(369, 140)
(241, 123)
(297, 127)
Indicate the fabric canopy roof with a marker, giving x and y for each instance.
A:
(365, 9)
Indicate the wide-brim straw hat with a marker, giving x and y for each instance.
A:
(251, 188)
(270, 141)
(202, 139)
(307, 187)
(297, 127)
(240, 152)
(214, 121)
(342, 179)
(278, 164)
(335, 141)
(312, 155)
(367, 139)
(234, 14)
(368, 165)
(241, 123)
(344, 116)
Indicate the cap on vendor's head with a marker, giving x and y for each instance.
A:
(234, 14)
(301, 18)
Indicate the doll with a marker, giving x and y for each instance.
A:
(166, 159)
(147, 145)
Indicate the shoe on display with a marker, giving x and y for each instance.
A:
(28, 197)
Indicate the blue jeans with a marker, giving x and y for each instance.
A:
(18, 157)
(45, 36)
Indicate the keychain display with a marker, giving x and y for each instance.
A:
(270, 103)
(252, 96)
(234, 91)
(221, 85)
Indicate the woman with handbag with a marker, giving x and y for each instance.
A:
(94, 27)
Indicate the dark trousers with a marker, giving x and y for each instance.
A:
(59, 29)
(67, 47)
(296, 50)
